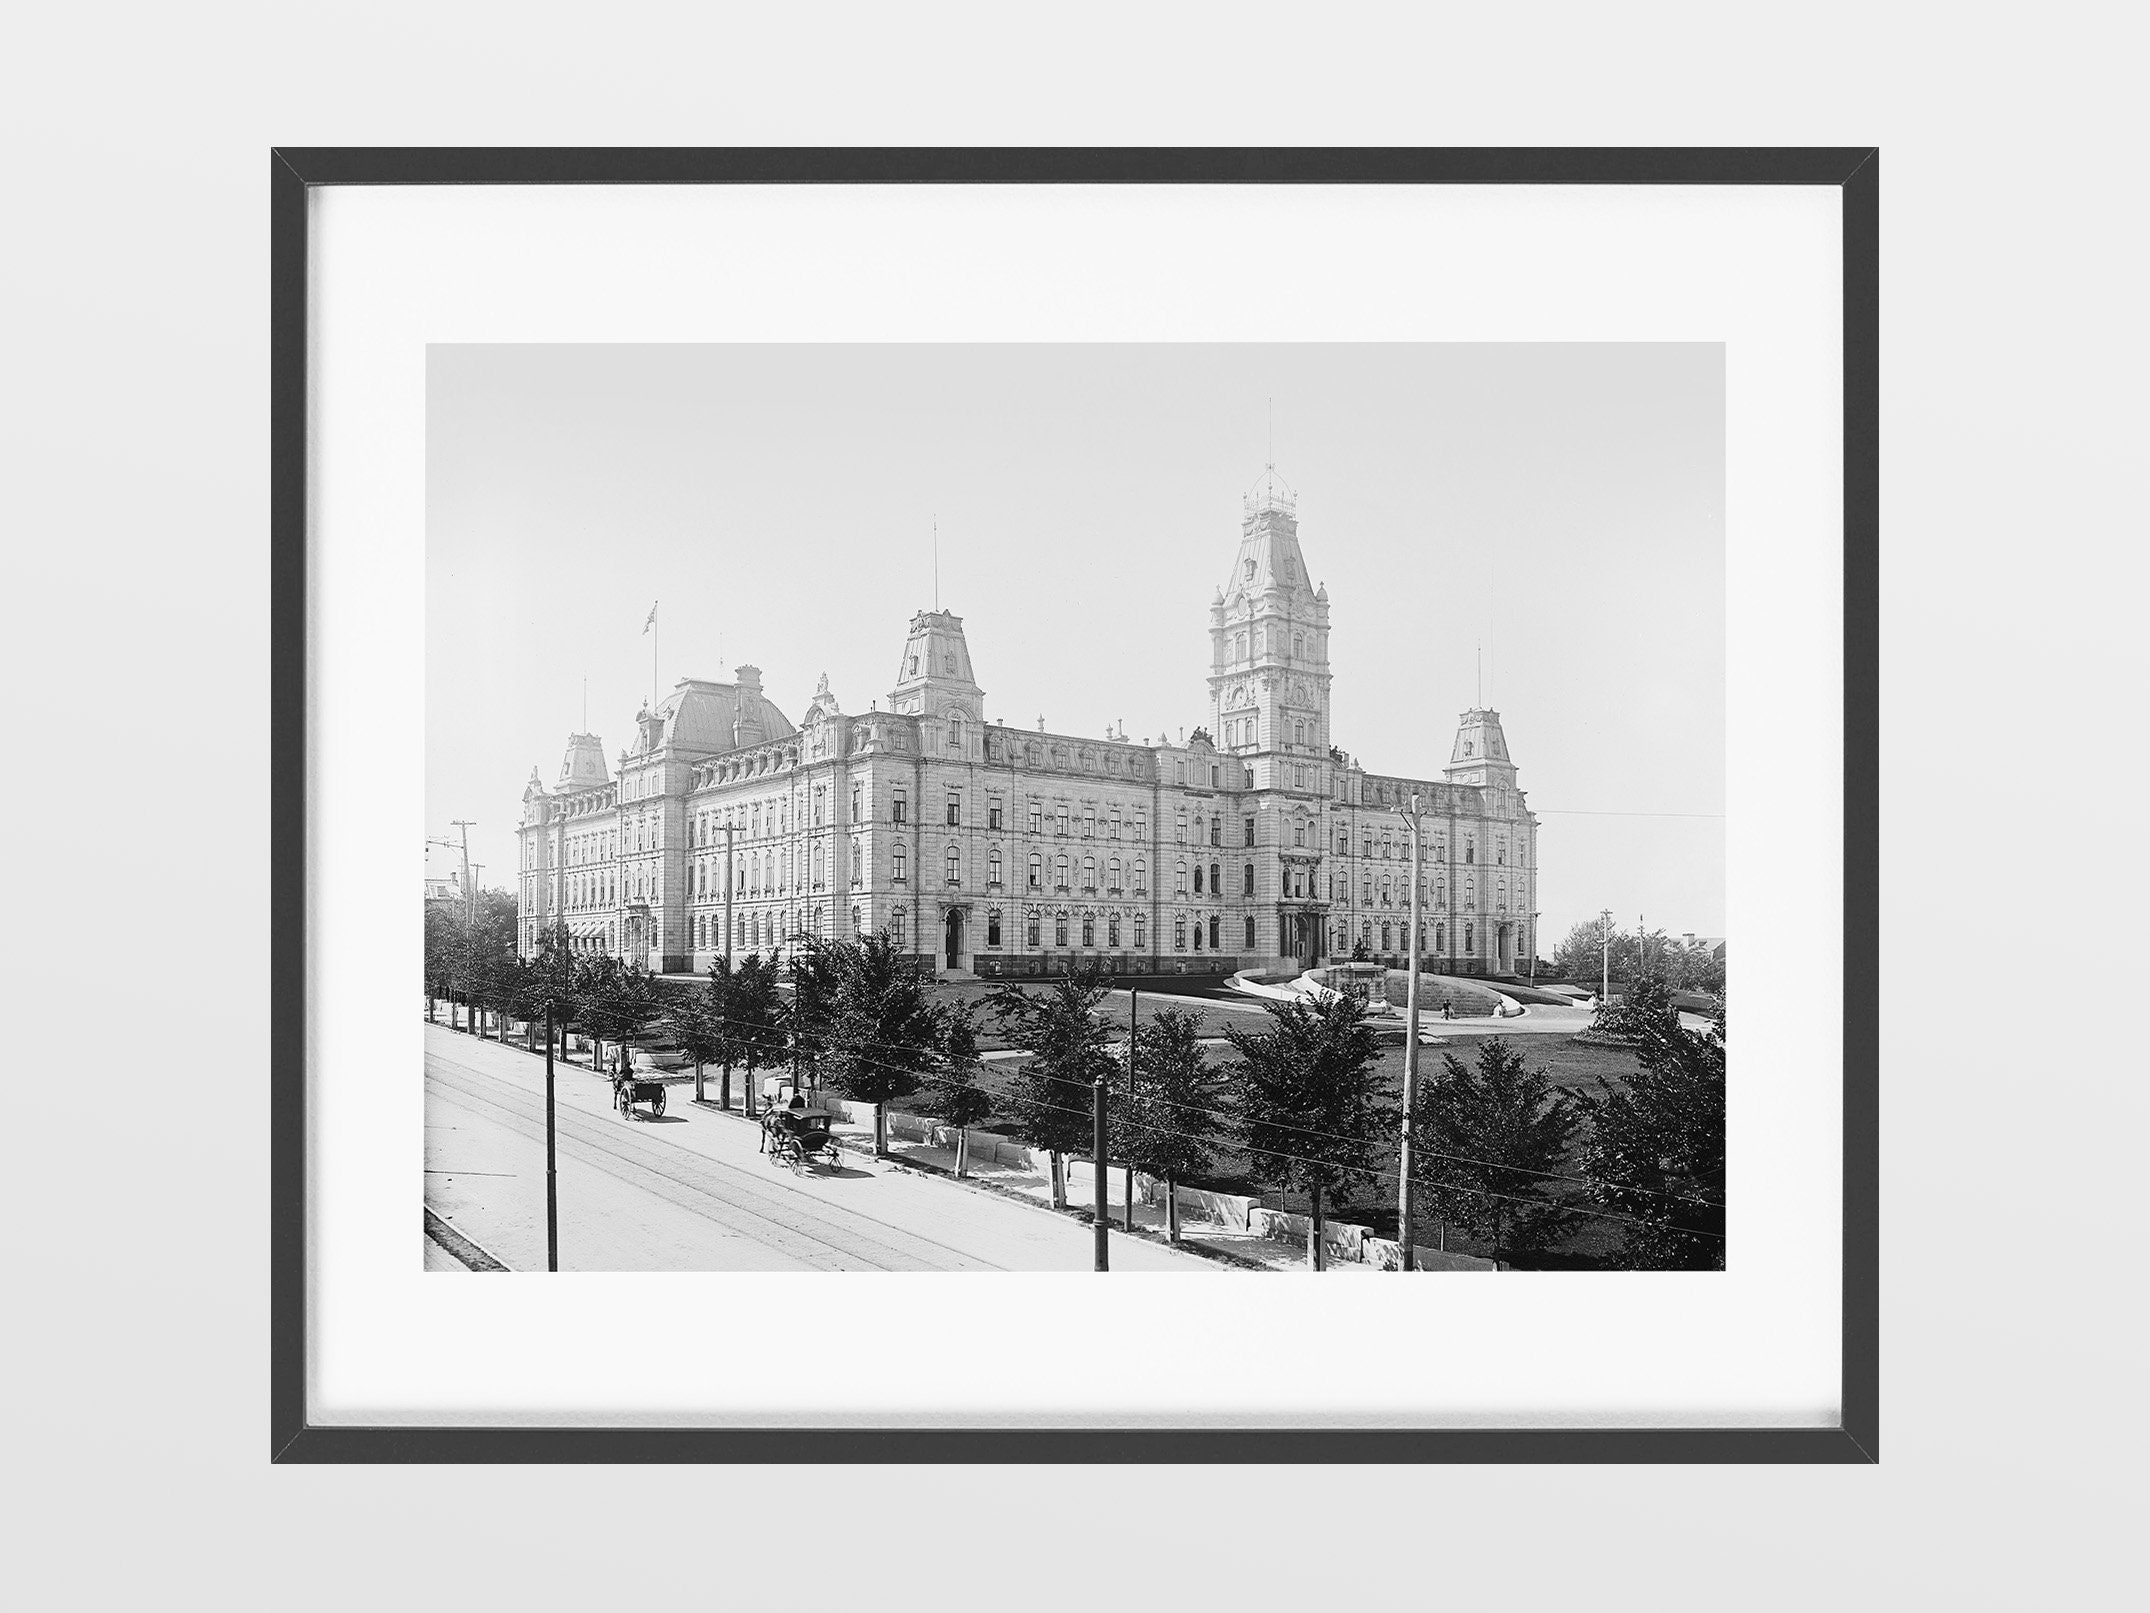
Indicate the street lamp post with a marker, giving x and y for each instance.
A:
(1409, 1259)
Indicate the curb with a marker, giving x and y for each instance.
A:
(473, 1257)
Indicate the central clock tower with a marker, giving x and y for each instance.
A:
(1269, 644)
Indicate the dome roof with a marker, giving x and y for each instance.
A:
(703, 718)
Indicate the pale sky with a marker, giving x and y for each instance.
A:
(1563, 506)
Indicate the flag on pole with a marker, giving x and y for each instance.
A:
(652, 622)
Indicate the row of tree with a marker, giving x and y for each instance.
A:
(1591, 950)
(1498, 1150)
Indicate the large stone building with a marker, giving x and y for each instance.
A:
(998, 850)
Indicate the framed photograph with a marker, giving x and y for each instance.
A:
(865, 738)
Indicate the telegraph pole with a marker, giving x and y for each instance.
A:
(728, 828)
(1410, 1048)
(1134, 999)
(1101, 1222)
(1605, 919)
(470, 914)
(552, 1172)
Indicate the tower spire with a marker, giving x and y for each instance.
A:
(936, 561)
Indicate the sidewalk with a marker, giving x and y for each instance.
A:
(1035, 1186)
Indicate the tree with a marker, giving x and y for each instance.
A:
(618, 999)
(548, 981)
(1646, 1010)
(1658, 1148)
(811, 1013)
(1070, 1052)
(495, 959)
(881, 1032)
(748, 1015)
(961, 1101)
(1580, 955)
(1485, 1143)
(1312, 1112)
(443, 955)
(1174, 1121)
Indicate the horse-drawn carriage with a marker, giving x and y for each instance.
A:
(797, 1133)
(627, 1092)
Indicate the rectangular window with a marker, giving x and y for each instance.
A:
(1089, 824)
(992, 816)
(899, 865)
(955, 810)
(855, 792)
(1250, 831)
(1213, 932)
(1037, 820)
(1142, 928)
(1060, 930)
(899, 807)
(1030, 931)
(1061, 819)
(1089, 930)
(992, 929)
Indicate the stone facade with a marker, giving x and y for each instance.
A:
(1255, 842)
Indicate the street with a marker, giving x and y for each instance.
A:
(690, 1192)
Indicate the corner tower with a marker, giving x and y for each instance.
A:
(1269, 638)
(934, 683)
(1480, 755)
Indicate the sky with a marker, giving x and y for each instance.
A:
(1548, 519)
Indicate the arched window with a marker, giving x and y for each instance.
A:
(1248, 875)
(1179, 932)
(1198, 879)
(1213, 932)
(955, 866)
(900, 859)
(1179, 885)
(1037, 870)
(1216, 831)
(1250, 935)
(992, 866)
(1142, 876)
(1112, 875)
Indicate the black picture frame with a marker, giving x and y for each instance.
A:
(293, 174)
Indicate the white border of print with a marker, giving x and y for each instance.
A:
(1754, 267)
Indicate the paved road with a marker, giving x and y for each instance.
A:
(690, 1192)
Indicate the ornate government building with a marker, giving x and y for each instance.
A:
(995, 850)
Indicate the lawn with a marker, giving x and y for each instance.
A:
(1581, 1066)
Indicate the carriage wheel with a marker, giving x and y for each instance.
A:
(660, 1100)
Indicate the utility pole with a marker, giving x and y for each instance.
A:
(552, 1171)
(478, 1019)
(470, 914)
(1100, 1219)
(1605, 977)
(1404, 1236)
(1134, 999)
(728, 828)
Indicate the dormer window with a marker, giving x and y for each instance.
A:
(1250, 570)
(914, 666)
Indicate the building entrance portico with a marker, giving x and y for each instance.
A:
(952, 939)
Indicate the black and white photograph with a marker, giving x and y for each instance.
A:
(1198, 808)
